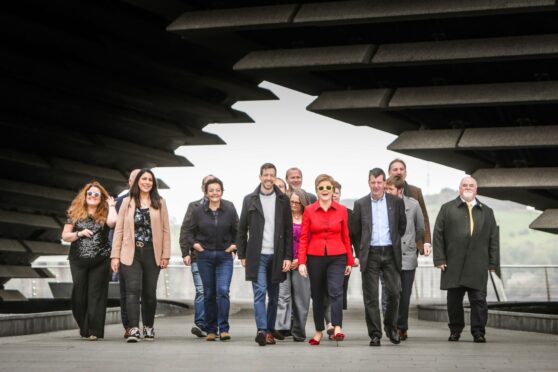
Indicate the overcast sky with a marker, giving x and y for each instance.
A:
(287, 135)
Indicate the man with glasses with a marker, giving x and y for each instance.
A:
(379, 223)
(189, 258)
(265, 248)
(466, 247)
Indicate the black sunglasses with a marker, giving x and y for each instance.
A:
(322, 188)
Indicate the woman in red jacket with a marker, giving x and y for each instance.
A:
(325, 255)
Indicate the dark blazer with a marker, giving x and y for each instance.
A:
(416, 193)
(186, 249)
(468, 257)
(250, 234)
(362, 227)
(213, 234)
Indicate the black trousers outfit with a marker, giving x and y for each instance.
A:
(141, 283)
(407, 280)
(89, 294)
(380, 260)
(479, 310)
(326, 275)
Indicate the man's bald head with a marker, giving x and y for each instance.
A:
(468, 188)
(132, 177)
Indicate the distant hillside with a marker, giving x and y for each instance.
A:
(518, 243)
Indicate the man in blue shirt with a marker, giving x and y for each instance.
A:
(378, 224)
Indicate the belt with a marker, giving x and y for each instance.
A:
(140, 244)
(381, 246)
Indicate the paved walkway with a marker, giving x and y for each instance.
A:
(177, 350)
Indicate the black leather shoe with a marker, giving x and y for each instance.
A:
(479, 339)
(278, 335)
(402, 334)
(375, 341)
(393, 336)
(454, 336)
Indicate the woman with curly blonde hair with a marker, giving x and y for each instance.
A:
(90, 218)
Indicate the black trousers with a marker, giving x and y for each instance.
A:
(479, 310)
(407, 280)
(141, 283)
(380, 260)
(89, 294)
(327, 274)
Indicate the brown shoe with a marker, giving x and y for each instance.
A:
(277, 335)
(225, 336)
(211, 336)
(127, 332)
(269, 339)
(402, 334)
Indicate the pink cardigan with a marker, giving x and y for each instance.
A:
(123, 242)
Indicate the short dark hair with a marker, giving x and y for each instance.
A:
(337, 185)
(212, 181)
(207, 178)
(397, 160)
(396, 181)
(376, 172)
(267, 166)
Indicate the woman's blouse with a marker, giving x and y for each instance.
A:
(325, 233)
(142, 226)
(296, 238)
(97, 245)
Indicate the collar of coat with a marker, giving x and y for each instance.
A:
(278, 193)
(459, 202)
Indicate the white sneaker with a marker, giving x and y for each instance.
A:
(148, 333)
(134, 335)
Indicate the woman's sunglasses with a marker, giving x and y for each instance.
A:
(92, 193)
(322, 188)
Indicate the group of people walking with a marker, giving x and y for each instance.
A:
(295, 246)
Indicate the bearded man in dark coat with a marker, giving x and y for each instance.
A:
(466, 247)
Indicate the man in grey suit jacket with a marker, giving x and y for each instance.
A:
(379, 222)
(395, 185)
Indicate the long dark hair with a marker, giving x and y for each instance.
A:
(153, 194)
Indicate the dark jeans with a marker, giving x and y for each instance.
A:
(216, 268)
(326, 275)
(123, 312)
(265, 319)
(380, 260)
(479, 310)
(141, 283)
(89, 294)
(199, 312)
(407, 279)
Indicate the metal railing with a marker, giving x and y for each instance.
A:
(520, 283)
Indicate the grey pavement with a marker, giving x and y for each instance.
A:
(176, 349)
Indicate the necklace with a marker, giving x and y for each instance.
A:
(297, 217)
(145, 203)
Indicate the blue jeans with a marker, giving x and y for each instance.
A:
(265, 320)
(198, 302)
(216, 268)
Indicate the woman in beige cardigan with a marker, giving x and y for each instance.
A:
(141, 244)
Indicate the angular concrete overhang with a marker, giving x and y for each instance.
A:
(92, 90)
(471, 85)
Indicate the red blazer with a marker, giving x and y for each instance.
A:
(323, 230)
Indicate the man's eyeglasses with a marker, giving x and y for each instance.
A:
(92, 193)
(322, 188)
